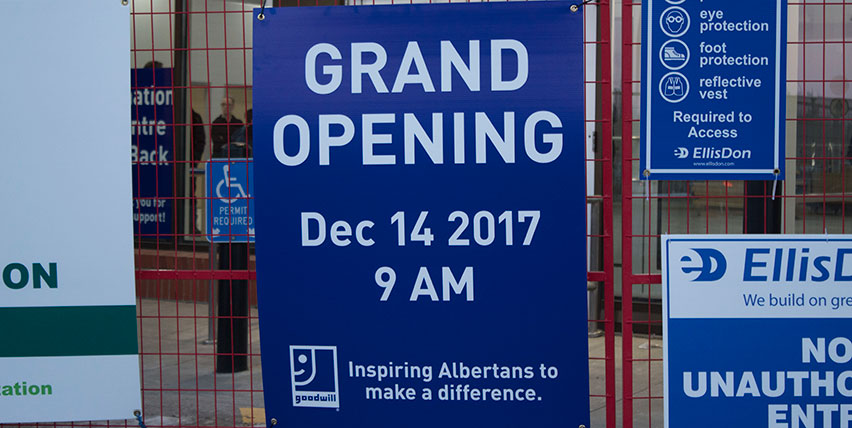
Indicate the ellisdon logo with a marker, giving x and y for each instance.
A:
(774, 265)
(711, 265)
(712, 153)
(313, 375)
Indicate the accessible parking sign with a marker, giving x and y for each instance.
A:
(230, 206)
(713, 89)
(420, 207)
(757, 330)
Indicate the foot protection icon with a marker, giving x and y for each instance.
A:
(670, 54)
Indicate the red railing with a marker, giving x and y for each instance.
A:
(812, 199)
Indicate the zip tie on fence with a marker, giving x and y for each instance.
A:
(139, 420)
(648, 191)
(777, 172)
(575, 7)
(261, 16)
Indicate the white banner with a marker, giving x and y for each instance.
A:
(68, 345)
(758, 276)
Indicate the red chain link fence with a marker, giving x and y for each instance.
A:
(813, 199)
(187, 344)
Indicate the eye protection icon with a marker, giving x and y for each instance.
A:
(675, 21)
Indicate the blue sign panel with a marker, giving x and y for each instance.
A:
(230, 206)
(421, 208)
(151, 149)
(757, 330)
(713, 89)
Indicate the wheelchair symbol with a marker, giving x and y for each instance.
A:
(229, 182)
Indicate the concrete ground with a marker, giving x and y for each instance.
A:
(179, 384)
(181, 388)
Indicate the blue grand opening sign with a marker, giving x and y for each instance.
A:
(713, 89)
(757, 330)
(419, 177)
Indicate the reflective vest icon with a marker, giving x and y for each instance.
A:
(673, 87)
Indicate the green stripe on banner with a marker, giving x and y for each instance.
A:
(68, 331)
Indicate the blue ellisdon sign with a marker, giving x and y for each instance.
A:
(230, 206)
(757, 330)
(420, 204)
(152, 136)
(713, 89)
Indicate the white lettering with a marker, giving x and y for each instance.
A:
(278, 140)
(777, 413)
(694, 392)
(307, 241)
(370, 139)
(554, 139)
(434, 146)
(335, 71)
(465, 283)
(371, 70)
(809, 349)
(450, 59)
(413, 56)
(497, 48)
(326, 140)
(505, 144)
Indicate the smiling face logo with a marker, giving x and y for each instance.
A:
(313, 375)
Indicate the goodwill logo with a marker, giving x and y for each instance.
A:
(710, 264)
(313, 375)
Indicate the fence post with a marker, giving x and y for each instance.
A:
(232, 323)
(762, 211)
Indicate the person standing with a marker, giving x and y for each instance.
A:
(223, 128)
(244, 135)
(198, 137)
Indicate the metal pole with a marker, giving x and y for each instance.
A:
(232, 323)
(763, 210)
(211, 337)
(595, 250)
(232, 342)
